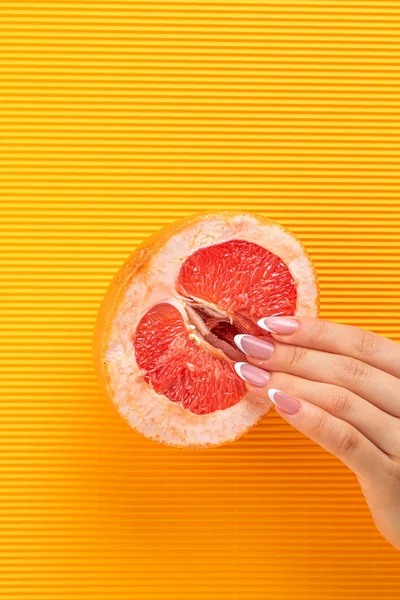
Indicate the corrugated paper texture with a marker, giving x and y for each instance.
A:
(117, 118)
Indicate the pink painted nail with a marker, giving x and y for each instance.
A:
(253, 346)
(284, 402)
(283, 325)
(251, 374)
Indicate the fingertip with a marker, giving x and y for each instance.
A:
(279, 325)
(284, 402)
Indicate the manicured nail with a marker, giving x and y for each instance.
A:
(284, 402)
(253, 346)
(283, 325)
(251, 374)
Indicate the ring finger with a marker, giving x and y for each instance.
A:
(375, 386)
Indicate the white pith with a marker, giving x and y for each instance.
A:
(154, 415)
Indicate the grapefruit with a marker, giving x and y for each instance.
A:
(163, 341)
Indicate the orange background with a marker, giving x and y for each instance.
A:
(119, 117)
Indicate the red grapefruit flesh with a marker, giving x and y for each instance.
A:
(178, 368)
(240, 277)
(164, 338)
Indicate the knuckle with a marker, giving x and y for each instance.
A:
(367, 343)
(350, 371)
(281, 381)
(320, 330)
(296, 357)
(319, 427)
(347, 441)
(339, 401)
(392, 473)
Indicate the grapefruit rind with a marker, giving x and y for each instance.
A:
(148, 278)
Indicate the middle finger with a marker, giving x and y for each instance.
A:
(378, 387)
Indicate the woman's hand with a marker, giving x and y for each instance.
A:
(340, 386)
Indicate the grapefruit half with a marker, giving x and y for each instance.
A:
(163, 341)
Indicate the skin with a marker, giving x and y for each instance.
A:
(347, 382)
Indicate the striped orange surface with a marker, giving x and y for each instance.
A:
(118, 117)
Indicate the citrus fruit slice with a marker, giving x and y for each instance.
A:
(164, 335)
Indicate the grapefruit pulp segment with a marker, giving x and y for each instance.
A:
(181, 370)
(240, 276)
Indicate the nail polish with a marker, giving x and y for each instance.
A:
(284, 402)
(282, 325)
(253, 346)
(252, 374)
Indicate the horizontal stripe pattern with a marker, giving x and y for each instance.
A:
(118, 118)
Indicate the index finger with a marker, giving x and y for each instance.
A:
(369, 347)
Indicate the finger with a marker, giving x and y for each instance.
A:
(336, 436)
(375, 386)
(373, 349)
(381, 429)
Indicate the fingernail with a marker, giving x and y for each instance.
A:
(251, 374)
(284, 325)
(253, 346)
(284, 402)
